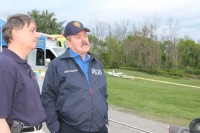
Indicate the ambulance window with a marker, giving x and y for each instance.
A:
(59, 43)
(40, 57)
(49, 55)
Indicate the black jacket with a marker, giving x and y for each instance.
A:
(67, 96)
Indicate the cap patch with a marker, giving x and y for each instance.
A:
(76, 24)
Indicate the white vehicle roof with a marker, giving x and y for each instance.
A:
(50, 40)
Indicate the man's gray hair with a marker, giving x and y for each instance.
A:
(68, 38)
(17, 21)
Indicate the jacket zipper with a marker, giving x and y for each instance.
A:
(90, 90)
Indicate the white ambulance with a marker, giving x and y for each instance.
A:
(46, 50)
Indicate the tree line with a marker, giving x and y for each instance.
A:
(146, 47)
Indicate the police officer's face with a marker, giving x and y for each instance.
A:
(79, 43)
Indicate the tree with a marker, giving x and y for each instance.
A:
(170, 41)
(189, 53)
(46, 22)
(98, 46)
(121, 30)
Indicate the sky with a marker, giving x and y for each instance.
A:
(185, 12)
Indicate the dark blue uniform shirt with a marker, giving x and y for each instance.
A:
(19, 91)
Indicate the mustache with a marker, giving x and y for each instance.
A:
(84, 43)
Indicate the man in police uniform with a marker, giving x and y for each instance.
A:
(74, 92)
(20, 102)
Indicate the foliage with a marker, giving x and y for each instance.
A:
(46, 22)
(189, 54)
(140, 48)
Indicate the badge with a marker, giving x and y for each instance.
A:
(76, 24)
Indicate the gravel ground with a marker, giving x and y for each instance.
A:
(143, 125)
(119, 120)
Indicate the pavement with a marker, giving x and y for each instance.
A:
(125, 122)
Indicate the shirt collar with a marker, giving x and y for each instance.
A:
(74, 55)
(13, 55)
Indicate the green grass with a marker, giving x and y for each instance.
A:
(167, 103)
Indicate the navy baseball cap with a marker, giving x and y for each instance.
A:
(73, 28)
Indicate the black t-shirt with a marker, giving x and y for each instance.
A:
(19, 91)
